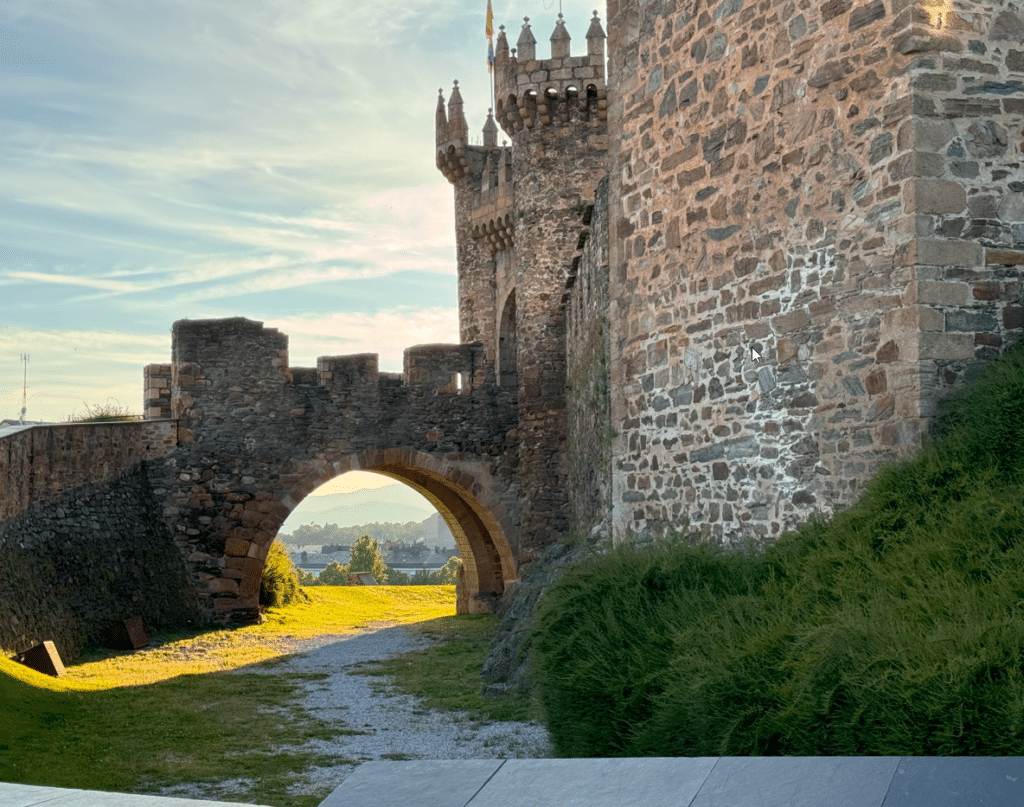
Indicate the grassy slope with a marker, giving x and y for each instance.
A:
(893, 628)
(187, 710)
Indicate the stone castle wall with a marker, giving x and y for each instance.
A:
(587, 341)
(824, 184)
(82, 541)
(256, 436)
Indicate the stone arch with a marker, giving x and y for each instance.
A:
(508, 371)
(462, 494)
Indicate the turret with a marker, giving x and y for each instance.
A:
(595, 40)
(527, 44)
(490, 131)
(532, 92)
(451, 133)
(560, 40)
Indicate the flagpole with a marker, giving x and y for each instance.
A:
(489, 33)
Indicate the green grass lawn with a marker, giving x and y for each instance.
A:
(190, 710)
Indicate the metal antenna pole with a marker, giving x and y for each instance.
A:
(24, 389)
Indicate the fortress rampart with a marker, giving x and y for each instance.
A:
(813, 228)
(717, 285)
(82, 541)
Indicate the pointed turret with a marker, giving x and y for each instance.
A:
(527, 45)
(490, 131)
(457, 126)
(440, 120)
(452, 135)
(595, 38)
(560, 40)
(501, 48)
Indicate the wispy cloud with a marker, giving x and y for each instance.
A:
(187, 158)
(71, 280)
(386, 333)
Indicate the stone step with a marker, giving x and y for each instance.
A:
(688, 782)
(650, 782)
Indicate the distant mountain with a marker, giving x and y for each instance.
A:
(390, 504)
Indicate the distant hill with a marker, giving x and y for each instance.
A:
(390, 504)
(366, 512)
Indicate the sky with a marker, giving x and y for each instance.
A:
(271, 159)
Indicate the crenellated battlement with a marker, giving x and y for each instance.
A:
(532, 92)
(484, 171)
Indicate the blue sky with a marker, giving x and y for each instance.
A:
(196, 159)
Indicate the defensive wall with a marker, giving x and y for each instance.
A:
(256, 436)
(838, 186)
(813, 227)
(717, 279)
(82, 539)
(171, 519)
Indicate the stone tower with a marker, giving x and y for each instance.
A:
(519, 220)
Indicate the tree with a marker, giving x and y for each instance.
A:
(396, 578)
(445, 576)
(280, 582)
(367, 557)
(449, 573)
(334, 575)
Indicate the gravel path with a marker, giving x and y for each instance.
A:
(397, 727)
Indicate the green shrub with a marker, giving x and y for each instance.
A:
(280, 583)
(983, 422)
(600, 637)
(895, 627)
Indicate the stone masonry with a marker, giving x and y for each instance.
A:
(835, 185)
(256, 436)
(82, 541)
(714, 281)
(813, 227)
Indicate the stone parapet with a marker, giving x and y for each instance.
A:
(531, 92)
(41, 463)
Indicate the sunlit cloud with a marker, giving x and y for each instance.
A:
(72, 280)
(387, 333)
(164, 160)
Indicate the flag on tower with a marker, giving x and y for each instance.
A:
(489, 33)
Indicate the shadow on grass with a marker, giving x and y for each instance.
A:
(227, 726)
(195, 729)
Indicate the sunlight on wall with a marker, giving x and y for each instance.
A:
(940, 12)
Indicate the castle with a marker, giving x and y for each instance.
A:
(715, 280)
(756, 256)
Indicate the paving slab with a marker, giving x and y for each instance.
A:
(12, 795)
(613, 782)
(798, 782)
(414, 783)
(957, 782)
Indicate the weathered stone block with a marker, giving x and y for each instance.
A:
(941, 252)
(43, 658)
(946, 346)
(969, 320)
(941, 292)
(793, 321)
(934, 196)
(237, 547)
(1004, 257)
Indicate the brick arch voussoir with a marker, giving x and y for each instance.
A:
(461, 495)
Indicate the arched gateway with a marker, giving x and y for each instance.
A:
(255, 437)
